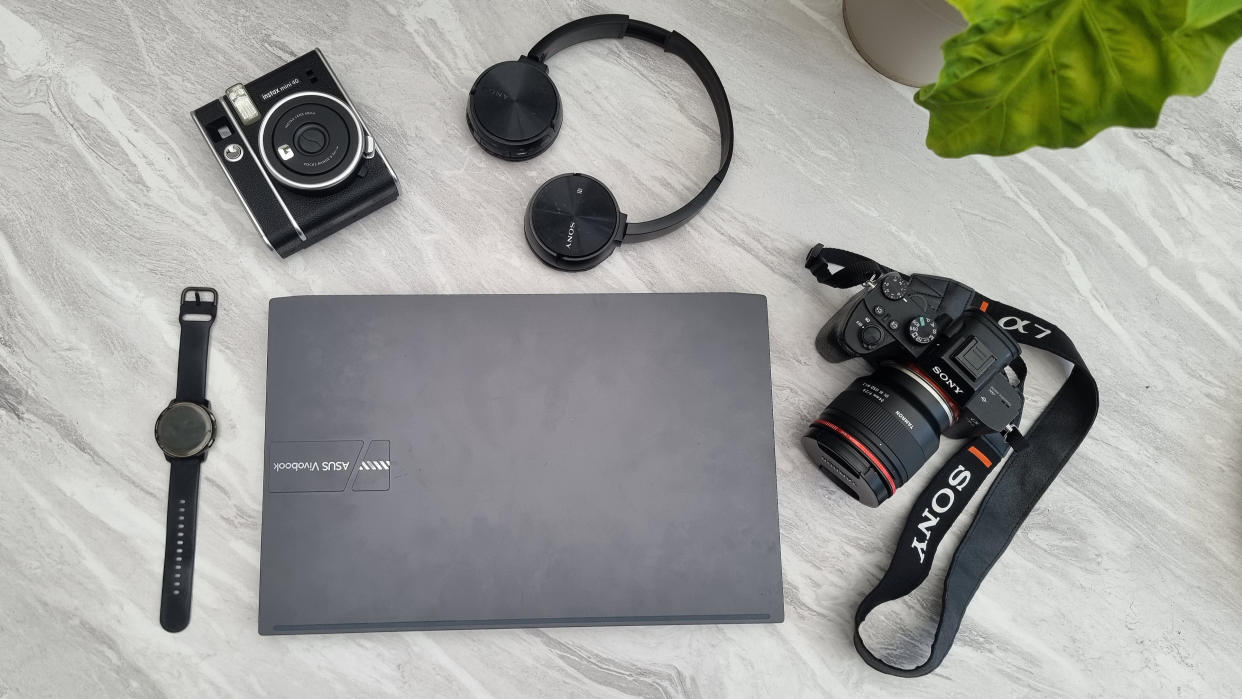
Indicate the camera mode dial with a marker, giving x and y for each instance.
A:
(922, 330)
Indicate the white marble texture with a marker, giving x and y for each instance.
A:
(1125, 580)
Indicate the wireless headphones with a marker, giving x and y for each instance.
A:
(514, 112)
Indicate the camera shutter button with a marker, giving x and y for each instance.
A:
(233, 152)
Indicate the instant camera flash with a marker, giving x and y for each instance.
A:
(242, 104)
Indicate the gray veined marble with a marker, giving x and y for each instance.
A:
(1123, 582)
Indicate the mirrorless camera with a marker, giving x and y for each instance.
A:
(297, 153)
(943, 367)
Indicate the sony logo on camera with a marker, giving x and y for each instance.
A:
(943, 376)
(941, 502)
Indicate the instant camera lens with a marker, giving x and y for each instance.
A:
(879, 432)
(311, 140)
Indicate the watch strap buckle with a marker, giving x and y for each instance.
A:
(198, 304)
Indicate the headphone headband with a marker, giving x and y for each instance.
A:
(619, 26)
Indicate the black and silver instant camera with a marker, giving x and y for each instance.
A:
(297, 153)
(941, 366)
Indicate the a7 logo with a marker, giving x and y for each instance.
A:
(1020, 325)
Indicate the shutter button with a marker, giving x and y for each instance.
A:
(233, 152)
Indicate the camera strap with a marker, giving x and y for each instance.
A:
(1050, 442)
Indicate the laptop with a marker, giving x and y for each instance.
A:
(465, 462)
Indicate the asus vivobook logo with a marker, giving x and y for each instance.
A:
(311, 466)
(330, 466)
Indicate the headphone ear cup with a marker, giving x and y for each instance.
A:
(573, 222)
(514, 110)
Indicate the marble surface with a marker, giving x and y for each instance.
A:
(1124, 581)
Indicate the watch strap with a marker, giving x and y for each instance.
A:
(179, 543)
(198, 312)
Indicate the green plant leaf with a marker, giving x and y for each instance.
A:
(1201, 13)
(1056, 72)
(972, 9)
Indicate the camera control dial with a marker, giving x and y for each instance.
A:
(870, 336)
(922, 330)
(894, 286)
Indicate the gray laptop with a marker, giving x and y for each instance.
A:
(437, 462)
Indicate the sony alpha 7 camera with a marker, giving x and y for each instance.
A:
(943, 367)
(298, 154)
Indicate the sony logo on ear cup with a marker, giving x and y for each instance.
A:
(572, 222)
(514, 110)
(498, 94)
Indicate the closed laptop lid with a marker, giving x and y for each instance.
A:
(498, 461)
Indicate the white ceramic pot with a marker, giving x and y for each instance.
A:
(901, 38)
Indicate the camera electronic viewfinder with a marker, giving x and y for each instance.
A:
(943, 368)
(297, 153)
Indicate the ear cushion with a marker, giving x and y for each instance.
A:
(573, 223)
(514, 110)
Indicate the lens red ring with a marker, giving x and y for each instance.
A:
(875, 461)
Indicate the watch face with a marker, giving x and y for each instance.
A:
(184, 429)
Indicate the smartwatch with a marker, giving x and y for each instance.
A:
(184, 431)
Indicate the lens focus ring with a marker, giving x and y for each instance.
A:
(877, 434)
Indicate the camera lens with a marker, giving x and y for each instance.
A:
(879, 432)
(311, 140)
